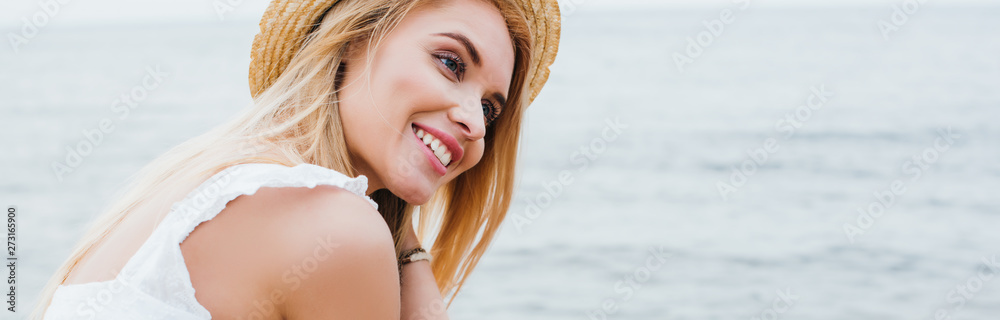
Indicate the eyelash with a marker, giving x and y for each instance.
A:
(493, 113)
(460, 66)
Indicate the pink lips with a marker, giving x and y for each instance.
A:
(448, 140)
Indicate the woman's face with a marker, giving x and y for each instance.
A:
(443, 73)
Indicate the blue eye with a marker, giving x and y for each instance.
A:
(490, 111)
(452, 62)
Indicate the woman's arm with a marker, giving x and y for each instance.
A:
(421, 299)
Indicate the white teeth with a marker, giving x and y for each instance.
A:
(439, 149)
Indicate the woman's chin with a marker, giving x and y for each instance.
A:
(413, 194)
(417, 201)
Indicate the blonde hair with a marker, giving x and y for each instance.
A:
(298, 118)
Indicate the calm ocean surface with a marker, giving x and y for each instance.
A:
(582, 246)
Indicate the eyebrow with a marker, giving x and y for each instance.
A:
(475, 57)
(465, 42)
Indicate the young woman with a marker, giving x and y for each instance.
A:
(301, 208)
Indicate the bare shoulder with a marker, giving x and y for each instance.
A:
(320, 252)
(342, 262)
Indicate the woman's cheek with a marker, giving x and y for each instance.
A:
(473, 155)
(417, 88)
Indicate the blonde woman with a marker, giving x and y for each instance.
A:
(301, 208)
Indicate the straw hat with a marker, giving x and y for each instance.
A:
(286, 22)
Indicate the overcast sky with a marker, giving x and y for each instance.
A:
(88, 12)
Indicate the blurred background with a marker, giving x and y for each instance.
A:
(686, 160)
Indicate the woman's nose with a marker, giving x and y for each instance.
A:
(468, 115)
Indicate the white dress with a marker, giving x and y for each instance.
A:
(154, 283)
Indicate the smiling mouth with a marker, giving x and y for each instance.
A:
(434, 145)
